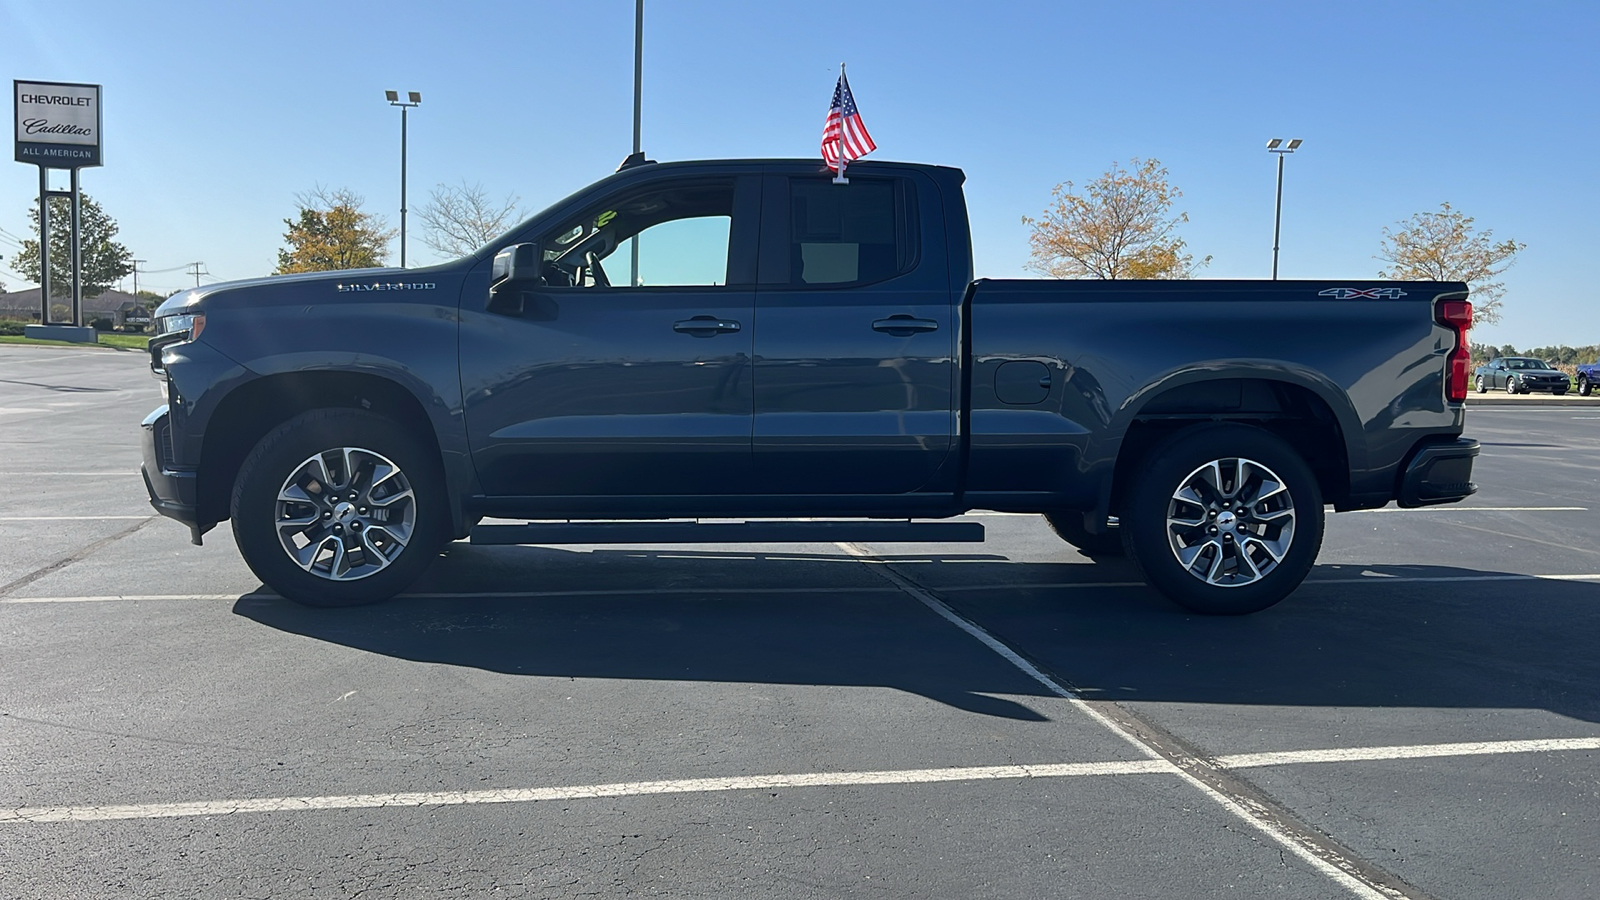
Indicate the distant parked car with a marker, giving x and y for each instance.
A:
(1588, 377)
(1522, 375)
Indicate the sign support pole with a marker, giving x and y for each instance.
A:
(44, 246)
(77, 251)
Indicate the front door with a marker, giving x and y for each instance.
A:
(855, 339)
(616, 382)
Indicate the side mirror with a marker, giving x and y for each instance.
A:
(514, 272)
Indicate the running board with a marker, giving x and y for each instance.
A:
(767, 532)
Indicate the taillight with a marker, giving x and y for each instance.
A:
(1457, 316)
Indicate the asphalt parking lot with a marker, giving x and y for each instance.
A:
(1006, 719)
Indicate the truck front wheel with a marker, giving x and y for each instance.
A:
(1224, 519)
(338, 507)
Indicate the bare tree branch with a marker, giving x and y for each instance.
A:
(1444, 246)
(458, 219)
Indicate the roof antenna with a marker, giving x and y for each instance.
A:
(635, 158)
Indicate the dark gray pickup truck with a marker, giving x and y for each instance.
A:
(748, 341)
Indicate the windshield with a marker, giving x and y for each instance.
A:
(1526, 364)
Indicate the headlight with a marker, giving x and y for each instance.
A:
(173, 330)
(186, 327)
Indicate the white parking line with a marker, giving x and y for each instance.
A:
(1415, 751)
(40, 814)
(1312, 857)
(1375, 578)
(7, 601)
(1448, 508)
(119, 474)
(480, 595)
(1315, 849)
(45, 814)
(69, 518)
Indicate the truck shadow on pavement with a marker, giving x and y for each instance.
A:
(1416, 636)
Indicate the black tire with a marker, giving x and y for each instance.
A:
(285, 452)
(1583, 386)
(1482, 388)
(1145, 527)
(1068, 525)
(1511, 385)
(1560, 392)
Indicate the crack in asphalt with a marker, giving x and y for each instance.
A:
(78, 556)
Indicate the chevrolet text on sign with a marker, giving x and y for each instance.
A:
(57, 125)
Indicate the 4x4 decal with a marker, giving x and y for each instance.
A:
(1367, 293)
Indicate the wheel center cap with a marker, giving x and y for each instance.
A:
(1227, 520)
(344, 512)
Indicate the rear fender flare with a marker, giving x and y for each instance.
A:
(1102, 448)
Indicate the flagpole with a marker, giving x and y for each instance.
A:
(839, 141)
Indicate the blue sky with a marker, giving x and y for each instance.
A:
(217, 114)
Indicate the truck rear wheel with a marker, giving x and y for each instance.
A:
(1224, 519)
(1068, 525)
(1583, 386)
(338, 507)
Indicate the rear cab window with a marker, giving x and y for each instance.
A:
(839, 235)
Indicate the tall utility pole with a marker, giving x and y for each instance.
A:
(638, 106)
(412, 99)
(196, 273)
(1276, 146)
(136, 275)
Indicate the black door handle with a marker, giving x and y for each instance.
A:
(904, 326)
(706, 326)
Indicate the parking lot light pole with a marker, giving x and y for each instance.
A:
(412, 99)
(638, 106)
(1276, 145)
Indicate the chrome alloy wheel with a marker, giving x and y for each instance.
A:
(1230, 522)
(345, 514)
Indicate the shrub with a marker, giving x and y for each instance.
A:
(11, 326)
(101, 324)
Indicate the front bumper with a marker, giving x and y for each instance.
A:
(1438, 472)
(172, 490)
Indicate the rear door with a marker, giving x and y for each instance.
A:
(855, 336)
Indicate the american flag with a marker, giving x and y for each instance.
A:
(844, 134)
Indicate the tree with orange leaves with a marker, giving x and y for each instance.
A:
(1121, 226)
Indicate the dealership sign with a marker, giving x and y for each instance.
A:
(58, 125)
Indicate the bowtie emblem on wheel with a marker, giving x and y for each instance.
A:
(1387, 293)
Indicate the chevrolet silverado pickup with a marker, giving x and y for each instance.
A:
(751, 342)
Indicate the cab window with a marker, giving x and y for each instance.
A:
(681, 231)
(847, 233)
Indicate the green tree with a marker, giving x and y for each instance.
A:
(1121, 226)
(1445, 246)
(332, 232)
(103, 259)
